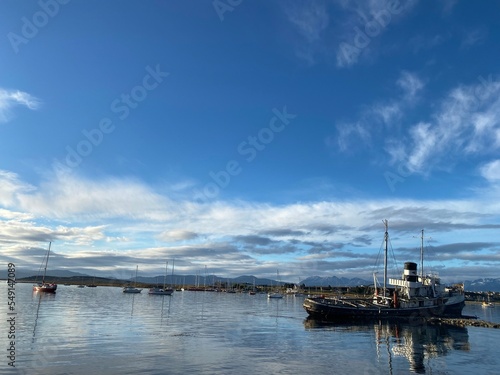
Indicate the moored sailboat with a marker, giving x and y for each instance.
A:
(276, 293)
(163, 291)
(252, 292)
(132, 289)
(93, 285)
(44, 287)
(411, 296)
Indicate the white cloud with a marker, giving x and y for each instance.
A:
(421, 42)
(474, 37)
(365, 21)
(331, 29)
(388, 112)
(23, 230)
(347, 133)
(66, 195)
(74, 211)
(411, 85)
(14, 216)
(380, 115)
(491, 171)
(10, 188)
(425, 140)
(177, 235)
(467, 122)
(11, 98)
(310, 18)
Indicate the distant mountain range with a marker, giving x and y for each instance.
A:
(334, 281)
(208, 280)
(483, 285)
(479, 285)
(20, 273)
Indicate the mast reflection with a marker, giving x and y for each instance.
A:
(418, 343)
(39, 297)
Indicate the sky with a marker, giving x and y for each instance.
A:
(243, 137)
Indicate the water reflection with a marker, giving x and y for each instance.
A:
(162, 314)
(103, 331)
(417, 343)
(38, 297)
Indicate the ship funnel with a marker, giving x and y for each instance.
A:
(410, 272)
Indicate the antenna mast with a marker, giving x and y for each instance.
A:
(386, 238)
(46, 262)
(422, 256)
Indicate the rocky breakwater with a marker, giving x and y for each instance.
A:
(464, 321)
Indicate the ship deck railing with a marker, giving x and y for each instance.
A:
(352, 302)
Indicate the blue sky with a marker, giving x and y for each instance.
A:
(250, 136)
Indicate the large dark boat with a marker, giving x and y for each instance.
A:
(412, 296)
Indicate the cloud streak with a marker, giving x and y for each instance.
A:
(466, 123)
(380, 116)
(310, 20)
(365, 22)
(12, 98)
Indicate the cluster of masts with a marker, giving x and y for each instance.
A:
(386, 247)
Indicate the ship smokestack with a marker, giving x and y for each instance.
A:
(410, 272)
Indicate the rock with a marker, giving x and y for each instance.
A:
(462, 322)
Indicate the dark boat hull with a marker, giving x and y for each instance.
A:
(160, 292)
(330, 309)
(45, 288)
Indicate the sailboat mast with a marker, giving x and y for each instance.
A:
(135, 283)
(422, 256)
(46, 262)
(172, 281)
(165, 278)
(386, 237)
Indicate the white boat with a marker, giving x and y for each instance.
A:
(487, 304)
(44, 287)
(295, 291)
(162, 291)
(275, 294)
(132, 289)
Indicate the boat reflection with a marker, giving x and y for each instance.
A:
(38, 297)
(418, 343)
(162, 314)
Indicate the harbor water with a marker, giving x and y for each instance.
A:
(104, 331)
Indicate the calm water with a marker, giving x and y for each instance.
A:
(103, 331)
